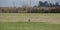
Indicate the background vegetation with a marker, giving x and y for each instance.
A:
(42, 7)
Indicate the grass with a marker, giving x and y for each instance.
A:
(34, 17)
(28, 26)
(39, 21)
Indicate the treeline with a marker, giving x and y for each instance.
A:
(10, 10)
(45, 10)
(42, 7)
(31, 10)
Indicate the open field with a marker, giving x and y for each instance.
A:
(34, 17)
(39, 21)
(28, 26)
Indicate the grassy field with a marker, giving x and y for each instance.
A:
(39, 21)
(34, 17)
(28, 26)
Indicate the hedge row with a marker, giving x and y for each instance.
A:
(32, 10)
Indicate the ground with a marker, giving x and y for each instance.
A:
(38, 21)
(28, 26)
(34, 17)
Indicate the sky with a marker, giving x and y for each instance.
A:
(18, 3)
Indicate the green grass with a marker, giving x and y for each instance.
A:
(19, 21)
(28, 26)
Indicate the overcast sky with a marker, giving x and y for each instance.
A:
(9, 3)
